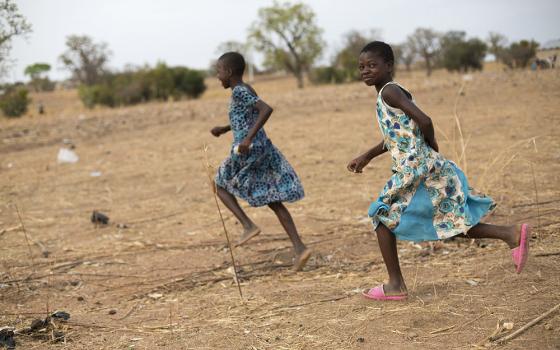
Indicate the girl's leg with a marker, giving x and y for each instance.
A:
(508, 234)
(388, 246)
(288, 224)
(249, 228)
(302, 253)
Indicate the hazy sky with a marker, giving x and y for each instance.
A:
(186, 32)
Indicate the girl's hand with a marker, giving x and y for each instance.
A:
(356, 165)
(219, 130)
(244, 146)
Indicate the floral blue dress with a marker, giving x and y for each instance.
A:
(262, 176)
(427, 197)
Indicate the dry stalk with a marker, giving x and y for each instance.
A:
(527, 326)
(536, 195)
(214, 192)
(484, 176)
(460, 130)
(26, 237)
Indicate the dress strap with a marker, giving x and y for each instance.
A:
(400, 86)
(389, 83)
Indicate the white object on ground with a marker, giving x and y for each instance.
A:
(95, 174)
(66, 155)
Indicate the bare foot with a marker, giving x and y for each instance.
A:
(399, 289)
(301, 259)
(248, 233)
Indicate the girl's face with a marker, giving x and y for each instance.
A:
(223, 73)
(373, 69)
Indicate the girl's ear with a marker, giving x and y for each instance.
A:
(229, 72)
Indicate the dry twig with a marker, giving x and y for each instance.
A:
(527, 326)
(213, 184)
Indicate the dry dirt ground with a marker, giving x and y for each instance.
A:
(159, 275)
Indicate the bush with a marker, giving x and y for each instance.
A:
(519, 54)
(14, 101)
(327, 75)
(97, 94)
(142, 85)
(188, 82)
(41, 84)
(459, 54)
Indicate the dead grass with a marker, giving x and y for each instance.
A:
(167, 274)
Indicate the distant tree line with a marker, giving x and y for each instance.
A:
(287, 36)
(87, 61)
(290, 40)
(452, 50)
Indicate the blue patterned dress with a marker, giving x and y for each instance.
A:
(428, 196)
(262, 176)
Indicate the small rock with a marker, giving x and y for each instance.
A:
(112, 312)
(508, 325)
(360, 340)
(61, 315)
(155, 296)
(472, 283)
(99, 218)
(80, 298)
(411, 335)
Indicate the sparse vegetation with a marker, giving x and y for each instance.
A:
(14, 101)
(144, 84)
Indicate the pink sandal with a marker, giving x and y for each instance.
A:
(378, 293)
(519, 254)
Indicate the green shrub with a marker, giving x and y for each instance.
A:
(188, 82)
(101, 94)
(132, 87)
(14, 101)
(327, 75)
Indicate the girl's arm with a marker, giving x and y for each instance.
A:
(356, 165)
(264, 113)
(396, 98)
(219, 130)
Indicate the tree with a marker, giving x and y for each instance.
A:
(288, 37)
(496, 45)
(36, 70)
(346, 60)
(38, 81)
(426, 44)
(520, 53)
(12, 24)
(460, 54)
(407, 53)
(85, 59)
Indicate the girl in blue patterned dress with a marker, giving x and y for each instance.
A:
(255, 170)
(428, 196)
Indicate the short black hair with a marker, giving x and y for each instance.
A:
(234, 61)
(381, 49)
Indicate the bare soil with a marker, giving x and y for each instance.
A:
(159, 275)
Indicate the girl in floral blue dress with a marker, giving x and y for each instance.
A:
(255, 170)
(428, 196)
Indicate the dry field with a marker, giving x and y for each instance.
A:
(159, 276)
